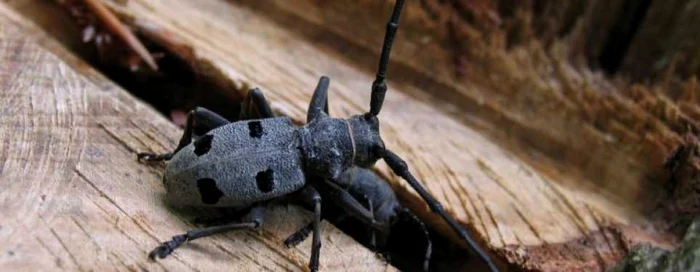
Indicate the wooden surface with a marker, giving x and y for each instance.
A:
(500, 197)
(550, 164)
(75, 198)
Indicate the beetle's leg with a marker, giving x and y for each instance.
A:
(256, 215)
(401, 169)
(429, 243)
(310, 195)
(303, 233)
(203, 118)
(299, 236)
(255, 106)
(349, 204)
(371, 230)
(319, 101)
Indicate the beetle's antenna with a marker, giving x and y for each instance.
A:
(379, 84)
(399, 167)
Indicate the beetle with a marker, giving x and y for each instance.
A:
(363, 184)
(248, 163)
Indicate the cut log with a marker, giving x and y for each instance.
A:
(74, 197)
(548, 163)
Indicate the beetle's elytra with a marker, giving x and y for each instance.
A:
(248, 163)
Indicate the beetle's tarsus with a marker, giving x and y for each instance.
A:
(168, 247)
(152, 157)
(299, 236)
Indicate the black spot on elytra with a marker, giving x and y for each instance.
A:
(203, 144)
(208, 190)
(265, 180)
(256, 129)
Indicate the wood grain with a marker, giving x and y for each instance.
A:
(501, 198)
(549, 163)
(75, 198)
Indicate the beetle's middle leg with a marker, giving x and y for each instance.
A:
(200, 117)
(319, 101)
(255, 106)
(256, 215)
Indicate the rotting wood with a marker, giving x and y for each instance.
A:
(568, 155)
(75, 198)
(666, 40)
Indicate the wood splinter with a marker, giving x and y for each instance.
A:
(112, 23)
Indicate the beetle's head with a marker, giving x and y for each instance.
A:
(368, 144)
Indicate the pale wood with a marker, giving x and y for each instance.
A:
(510, 205)
(529, 151)
(501, 198)
(74, 197)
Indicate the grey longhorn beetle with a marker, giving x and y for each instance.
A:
(248, 163)
(363, 184)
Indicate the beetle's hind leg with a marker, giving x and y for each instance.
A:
(204, 120)
(256, 216)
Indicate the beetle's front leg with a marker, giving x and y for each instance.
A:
(310, 195)
(199, 116)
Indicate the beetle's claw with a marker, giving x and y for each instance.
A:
(161, 251)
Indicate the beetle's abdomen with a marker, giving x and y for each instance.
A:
(237, 164)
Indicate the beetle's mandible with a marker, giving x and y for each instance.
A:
(248, 163)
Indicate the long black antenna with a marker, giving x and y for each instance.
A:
(379, 84)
